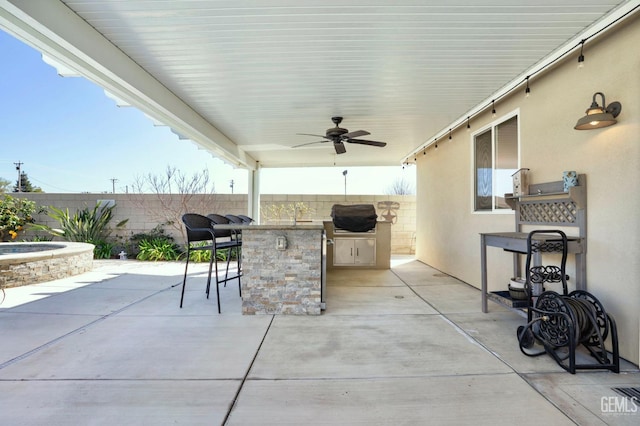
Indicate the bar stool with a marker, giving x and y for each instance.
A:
(200, 228)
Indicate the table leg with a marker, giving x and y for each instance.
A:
(581, 272)
(483, 271)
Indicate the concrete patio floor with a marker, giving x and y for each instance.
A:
(403, 346)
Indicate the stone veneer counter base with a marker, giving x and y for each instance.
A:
(285, 281)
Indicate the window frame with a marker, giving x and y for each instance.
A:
(492, 126)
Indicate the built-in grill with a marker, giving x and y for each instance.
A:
(354, 218)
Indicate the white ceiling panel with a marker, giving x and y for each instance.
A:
(261, 71)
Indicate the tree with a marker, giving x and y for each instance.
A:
(25, 185)
(5, 185)
(400, 187)
(190, 191)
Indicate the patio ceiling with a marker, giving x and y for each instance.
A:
(241, 77)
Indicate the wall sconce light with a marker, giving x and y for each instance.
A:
(599, 116)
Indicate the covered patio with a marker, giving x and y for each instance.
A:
(407, 345)
(257, 83)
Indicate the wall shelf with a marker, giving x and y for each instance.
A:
(552, 191)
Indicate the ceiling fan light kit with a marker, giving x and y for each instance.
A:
(339, 136)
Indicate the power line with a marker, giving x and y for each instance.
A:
(52, 186)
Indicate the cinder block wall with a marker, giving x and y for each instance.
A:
(145, 211)
(403, 219)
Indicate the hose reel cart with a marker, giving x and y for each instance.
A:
(559, 323)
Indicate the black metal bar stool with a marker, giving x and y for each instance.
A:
(200, 228)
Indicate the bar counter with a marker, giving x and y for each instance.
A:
(283, 268)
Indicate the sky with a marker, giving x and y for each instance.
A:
(71, 138)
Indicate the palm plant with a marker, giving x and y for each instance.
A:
(86, 225)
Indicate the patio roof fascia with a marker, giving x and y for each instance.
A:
(57, 32)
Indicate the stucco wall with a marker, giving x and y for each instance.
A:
(448, 230)
(145, 211)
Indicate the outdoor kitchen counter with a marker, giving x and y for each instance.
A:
(379, 240)
(283, 268)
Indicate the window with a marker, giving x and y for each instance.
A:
(496, 158)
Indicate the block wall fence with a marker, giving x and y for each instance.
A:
(145, 211)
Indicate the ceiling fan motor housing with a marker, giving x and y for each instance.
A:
(336, 132)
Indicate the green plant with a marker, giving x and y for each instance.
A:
(40, 238)
(157, 232)
(85, 225)
(15, 214)
(200, 255)
(158, 249)
(102, 249)
(205, 255)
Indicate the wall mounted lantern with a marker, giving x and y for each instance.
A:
(599, 116)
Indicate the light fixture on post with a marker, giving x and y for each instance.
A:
(493, 109)
(599, 116)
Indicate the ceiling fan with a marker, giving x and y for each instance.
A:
(338, 136)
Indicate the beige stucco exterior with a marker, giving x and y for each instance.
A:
(448, 230)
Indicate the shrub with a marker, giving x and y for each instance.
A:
(39, 238)
(158, 249)
(15, 214)
(102, 250)
(157, 232)
(205, 255)
(87, 226)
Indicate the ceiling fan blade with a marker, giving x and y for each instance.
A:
(365, 142)
(355, 134)
(309, 143)
(339, 146)
(309, 134)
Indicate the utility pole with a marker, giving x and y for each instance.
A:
(113, 185)
(231, 185)
(19, 169)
